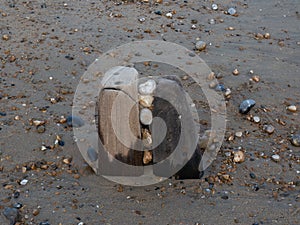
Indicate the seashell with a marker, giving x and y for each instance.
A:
(146, 116)
(246, 105)
(148, 87)
(200, 45)
(146, 100)
(295, 140)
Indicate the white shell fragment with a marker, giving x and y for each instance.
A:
(148, 87)
(146, 116)
(146, 100)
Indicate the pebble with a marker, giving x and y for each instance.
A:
(11, 214)
(227, 92)
(292, 108)
(246, 105)
(200, 45)
(212, 21)
(169, 15)
(235, 72)
(41, 129)
(214, 7)
(276, 158)
(24, 182)
(239, 156)
(148, 87)
(92, 154)
(255, 78)
(18, 205)
(239, 134)
(252, 175)
(256, 119)
(269, 129)
(146, 116)
(74, 121)
(146, 100)
(231, 11)
(295, 140)
(44, 223)
(220, 87)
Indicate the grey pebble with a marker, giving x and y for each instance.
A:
(11, 214)
(40, 129)
(269, 129)
(295, 140)
(246, 105)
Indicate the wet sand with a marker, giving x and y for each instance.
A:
(47, 45)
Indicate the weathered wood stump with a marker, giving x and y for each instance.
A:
(121, 129)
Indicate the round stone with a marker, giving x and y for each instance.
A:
(269, 129)
(292, 108)
(239, 156)
(246, 105)
(276, 158)
(231, 11)
(146, 116)
(295, 140)
(41, 129)
(200, 45)
(214, 7)
(256, 119)
(148, 87)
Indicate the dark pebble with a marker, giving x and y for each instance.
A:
(295, 140)
(75, 121)
(255, 187)
(220, 87)
(43, 6)
(2, 114)
(18, 205)
(252, 175)
(16, 194)
(61, 143)
(246, 105)
(225, 197)
(92, 154)
(44, 223)
(158, 12)
(255, 223)
(11, 214)
(69, 57)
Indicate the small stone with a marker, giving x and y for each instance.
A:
(40, 129)
(147, 158)
(212, 21)
(246, 105)
(292, 108)
(255, 78)
(231, 11)
(235, 72)
(267, 36)
(214, 7)
(5, 37)
(256, 119)
(148, 87)
(227, 92)
(252, 175)
(239, 157)
(239, 134)
(146, 116)
(75, 121)
(146, 100)
(44, 223)
(169, 15)
(24, 182)
(38, 122)
(18, 205)
(11, 214)
(295, 140)
(269, 129)
(200, 45)
(220, 87)
(259, 36)
(276, 158)
(67, 160)
(35, 212)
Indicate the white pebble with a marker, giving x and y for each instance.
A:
(214, 7)
(292, 108)
(146, 116)
(147, 88)
(24, 182)
(200, 45)
(239, 134)
(276, 158)
(256, 119)
(169, 15)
